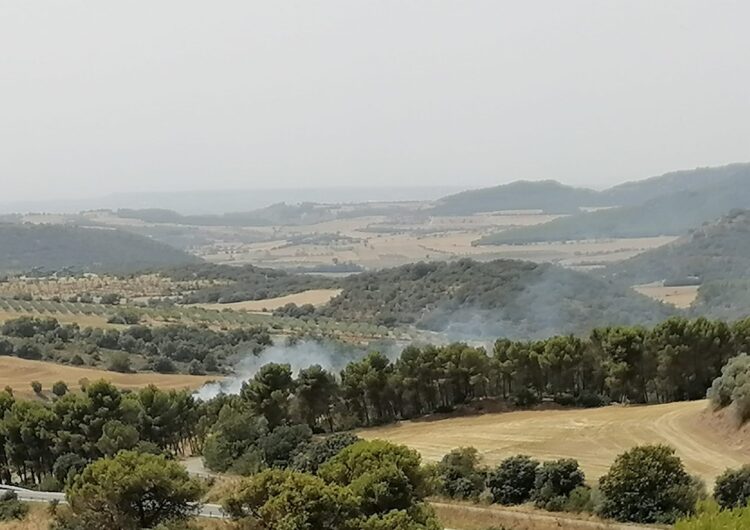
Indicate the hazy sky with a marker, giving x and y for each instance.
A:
(100, 96)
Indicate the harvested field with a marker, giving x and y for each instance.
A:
(19, 373)
(315, 297)
(473, 517)
(593, 436)
(682, 296)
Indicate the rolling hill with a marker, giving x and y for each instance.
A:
(515, 299)
(716, 251)
(50, 247)
(549, 196)
(696, 197)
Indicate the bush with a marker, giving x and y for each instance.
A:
(581, 500)
(119, 362)
(648, 484)
(60, 388)
(163, 365)
(36, 386)
(513, 480)
(732, 489)
(11, 508)
(554, 482)
(590, 400)
(525, 397)
(460, 475)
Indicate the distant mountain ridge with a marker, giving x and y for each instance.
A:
(547, 195)
(672, 205)
(53, 247)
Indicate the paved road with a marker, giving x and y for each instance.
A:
(213, 511)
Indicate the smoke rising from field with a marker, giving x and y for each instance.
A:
(330, 356)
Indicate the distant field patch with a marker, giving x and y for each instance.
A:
(316, 297)
(19, 373)
(593, 436)
(682, 296)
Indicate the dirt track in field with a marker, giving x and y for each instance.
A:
(593, 436)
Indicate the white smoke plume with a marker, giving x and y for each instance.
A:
(299, 356)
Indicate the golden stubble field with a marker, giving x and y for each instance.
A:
(19, 373)
(592, 436)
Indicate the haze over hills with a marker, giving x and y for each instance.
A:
(54, 247)
(718, 250)
(499, 298)
(671, 205)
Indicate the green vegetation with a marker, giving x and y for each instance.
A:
(237, 284)
(460, 475)
(649, 484)
(513, 481)
(10, 507)
(56, 247)
(710, 517)
(368, 485)
(132, 490)
(732, 489)
(716, 251)
(732, 388)
(504, 297)
(167, 349)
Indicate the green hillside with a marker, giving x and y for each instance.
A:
(49, 248)
(714, 252)
(500, 298)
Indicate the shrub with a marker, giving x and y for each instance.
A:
(732, 488)
(525, 397)
(60, 388)
(554, 483)
(163, 365)
(11, 508)
(36, 386)
(460, 475)
(119, 362)
(648, 484)
(512, 482)
(581, 500)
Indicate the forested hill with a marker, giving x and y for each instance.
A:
(716, 251)
(549, 196)
(50, 248)
(502, 298)
(674, 213)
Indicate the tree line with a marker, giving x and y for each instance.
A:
(171, 348)
(678, 359)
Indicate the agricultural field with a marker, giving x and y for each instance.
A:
(679, 296)
(18, 374)
(315, 297)
(464, 516)
(592, 436)
(135, 287)
(376, 243)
